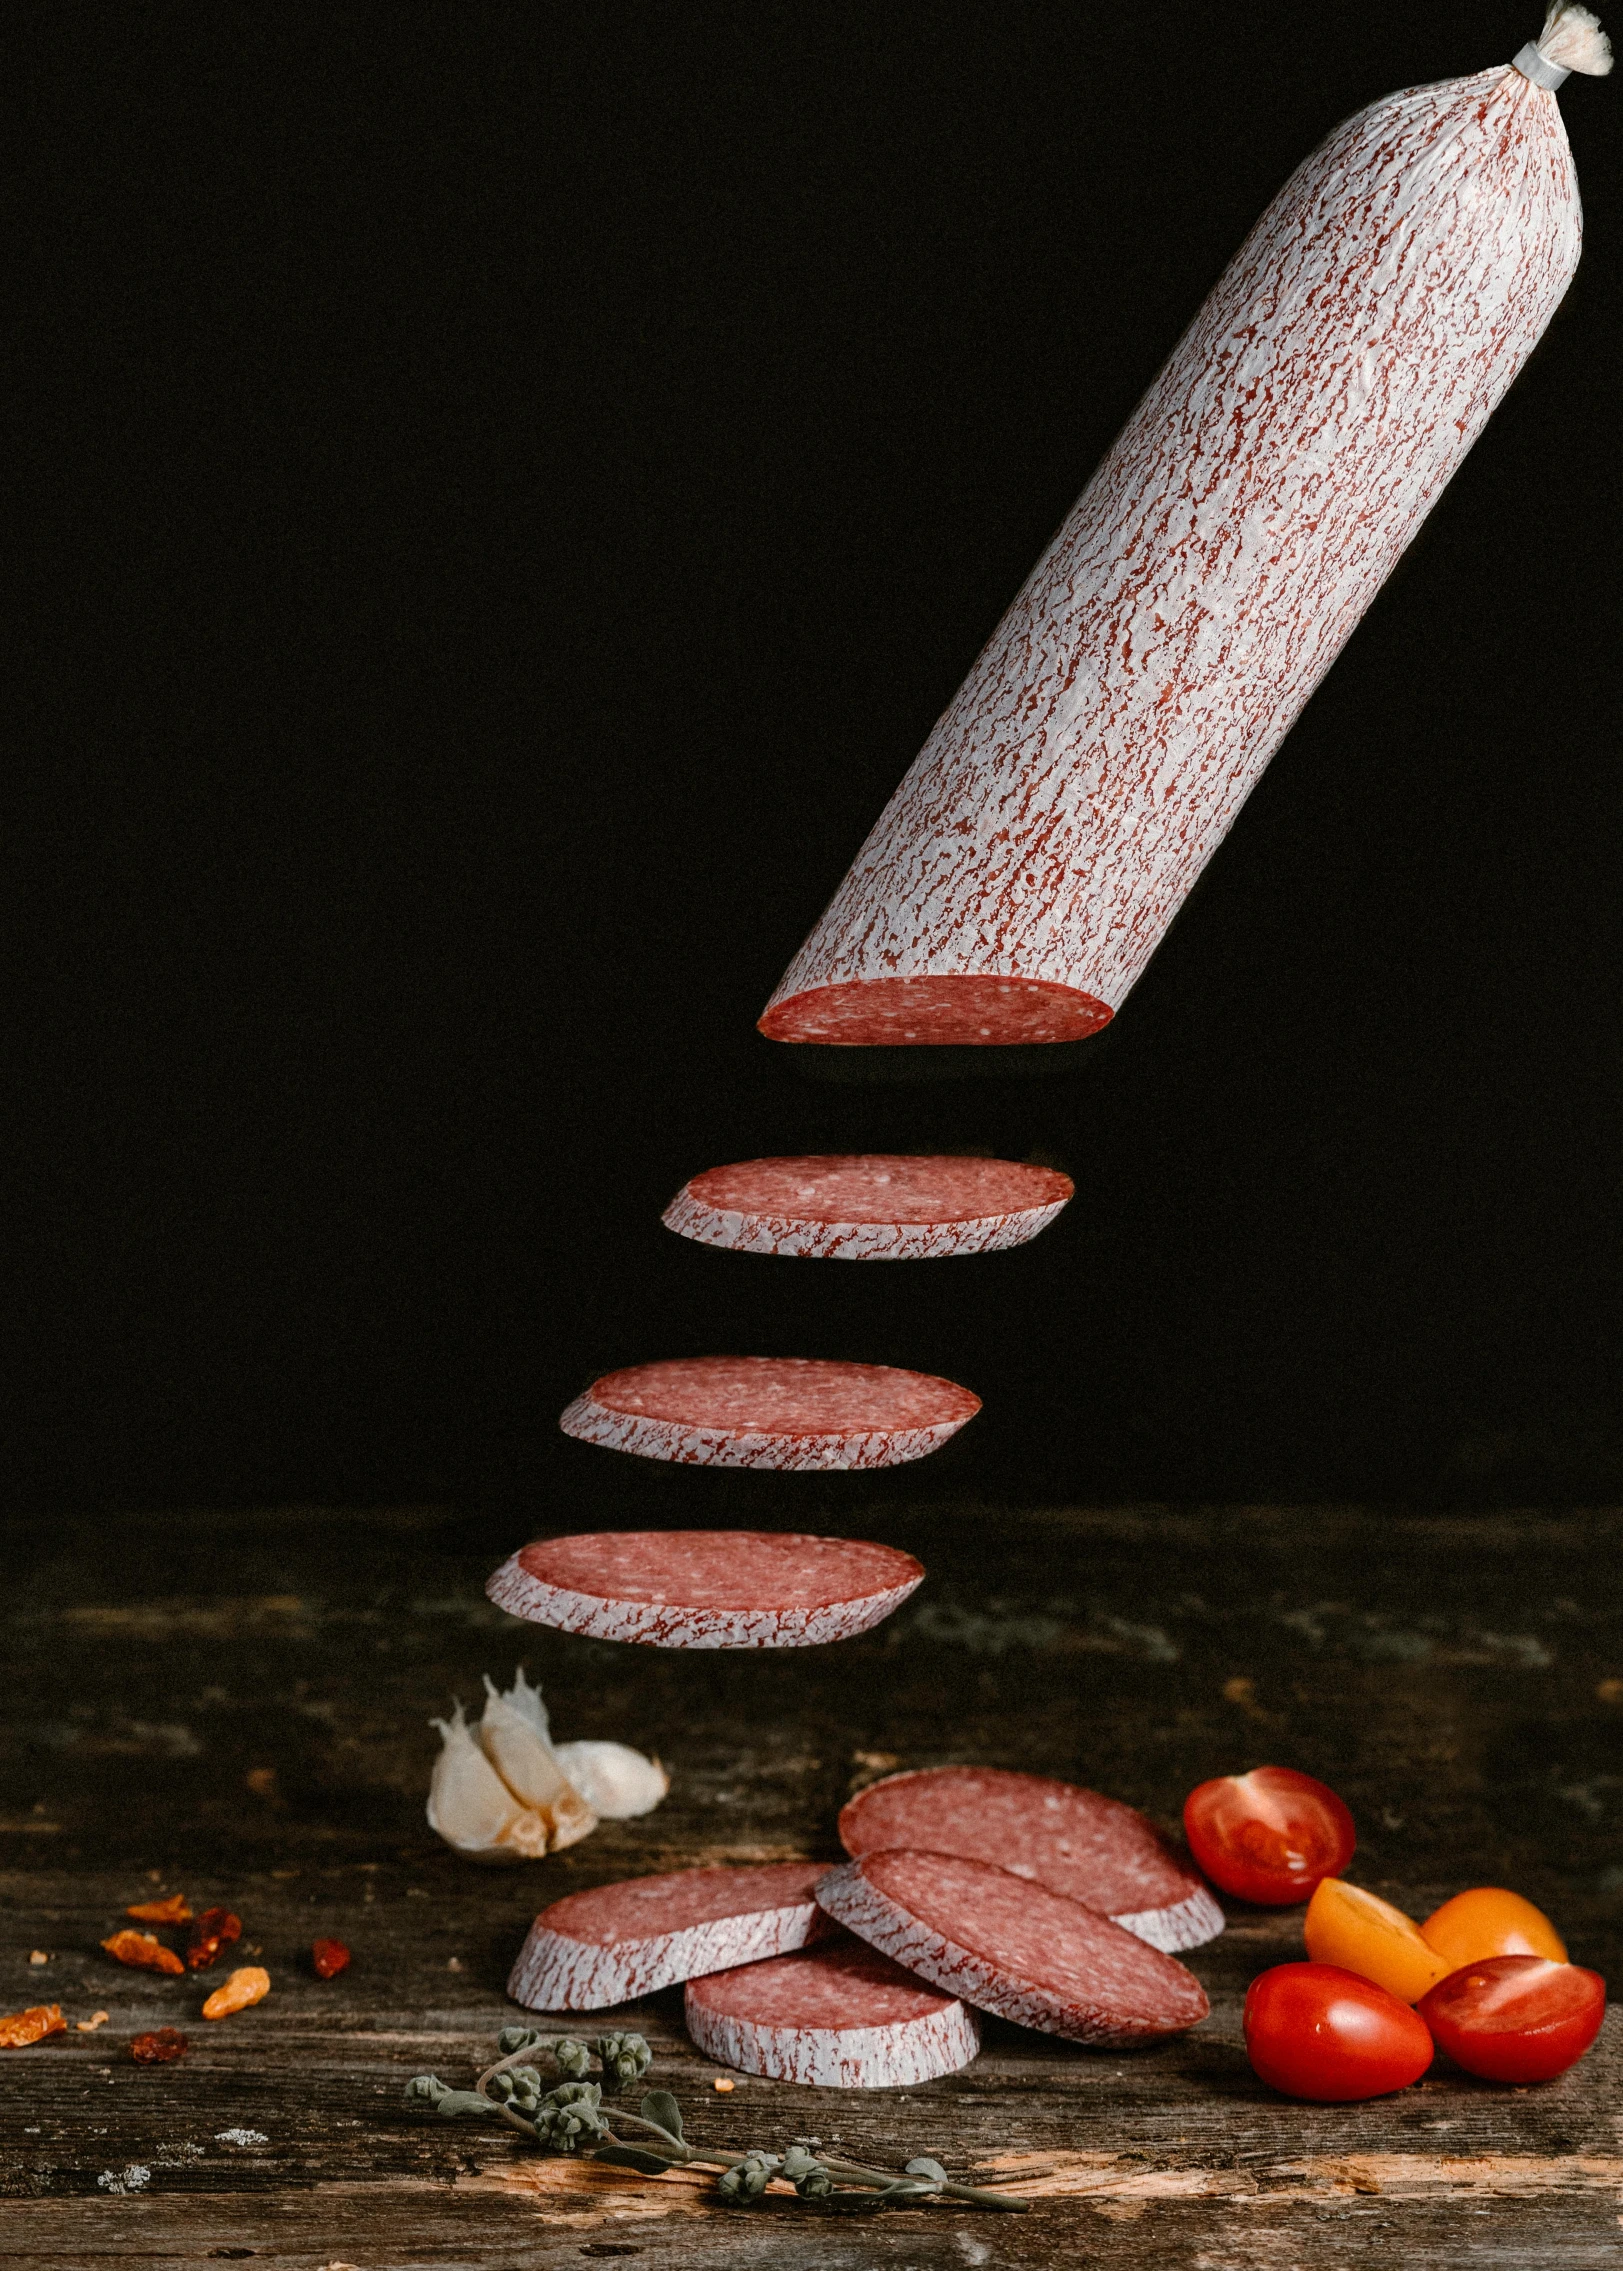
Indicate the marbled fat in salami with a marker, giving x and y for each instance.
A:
(706, 1588)
(871, 1208)
(1013, 1947)
(591, 1950)
(791, 1412)
(841, 2016)
(1074, 1841)
(1026, 869)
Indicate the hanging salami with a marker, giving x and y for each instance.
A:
(1025, 871)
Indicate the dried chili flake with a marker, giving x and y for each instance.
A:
(330, 1957)
(32, 2025)
(160, 2049)
(142, 1951)
(247, 1986)
(177, 1909)
(215, 1929)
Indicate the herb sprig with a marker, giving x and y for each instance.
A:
(572, 2117)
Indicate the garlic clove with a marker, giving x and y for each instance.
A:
(472, 1808)
(512, 1734)
(615, 1781)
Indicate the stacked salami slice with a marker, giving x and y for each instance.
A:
(870, 1974)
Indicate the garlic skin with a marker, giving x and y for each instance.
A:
(615, 1781)
(513, 1736)
(471, 1807)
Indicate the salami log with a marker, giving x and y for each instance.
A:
(1013, 1947)
(841, 2016)
(706, 1588)
(593, 1949)
(1075, 1842)
(791, 1412)
(1026, 869)
(872, 1208)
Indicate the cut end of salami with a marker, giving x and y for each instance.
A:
(1091, 1848)
(789, 1412)
(869, 1208)
(1013, 1947)
(592, 1950)
(706, 1588)
(925, 1011)
(841, 2016)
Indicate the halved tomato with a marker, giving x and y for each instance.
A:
(1516, 2018)
(1346, 1925)
(1269, 1835)
(1315, 2031)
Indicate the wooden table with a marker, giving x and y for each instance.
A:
(236, 1708)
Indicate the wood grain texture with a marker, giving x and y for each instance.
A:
(240, 1705)
(1028, 866)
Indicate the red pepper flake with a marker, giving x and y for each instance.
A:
(330, 1957)
(160, 2049)
(177, 1909)
(32, 2025)
(215, 1929)
(142, 1952)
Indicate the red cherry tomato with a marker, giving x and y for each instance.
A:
(1516, 2018)
(1315, 2031)
(1269, 1835)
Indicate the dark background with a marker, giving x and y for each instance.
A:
(502, 499)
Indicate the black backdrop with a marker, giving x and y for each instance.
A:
(502, 496)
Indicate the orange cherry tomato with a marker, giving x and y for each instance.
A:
(1269, 1835)
(1490, 1922)
(1347, 1926)
(1315, 2031)
(1516, 2018)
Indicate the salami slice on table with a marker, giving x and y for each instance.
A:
(1013, 1947)
(1074, 1841)
(870, 1208)
(791, 1412)
(706, 1588)
(841, 2016)
(594, 1949)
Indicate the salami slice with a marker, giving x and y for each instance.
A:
(840, 2016)
(791, 1412)
(593, 1949)
(706, 1588)
(1013, 1947)
(1021, 877)
(1075, 1842)
(872, 1208)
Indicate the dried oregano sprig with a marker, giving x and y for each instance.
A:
(572, 2118)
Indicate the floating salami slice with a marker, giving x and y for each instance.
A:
(1023, 874)
(840, 2016)
(706, 1588)
(1075, 1842)
(792, 1412)
(593, 1949)
(1013, 1947)
(872, 1208)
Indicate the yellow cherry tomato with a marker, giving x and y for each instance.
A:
(1488, 1921)
(1347, 1926)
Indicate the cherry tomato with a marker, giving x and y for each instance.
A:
(1490, 1922)
(1346, 1925)
(1516, 2018)
(1315, 2031)
(1269, 1835)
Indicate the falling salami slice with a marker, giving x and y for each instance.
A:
(841, 2016)
(791, 1412)
(1075, 1842)
(872, 1208)
(1010, 1946)
(593, 1949)
(706, 1588)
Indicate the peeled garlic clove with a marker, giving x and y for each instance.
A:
(512, 1733)
(616, 1781)
(471, 1807)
